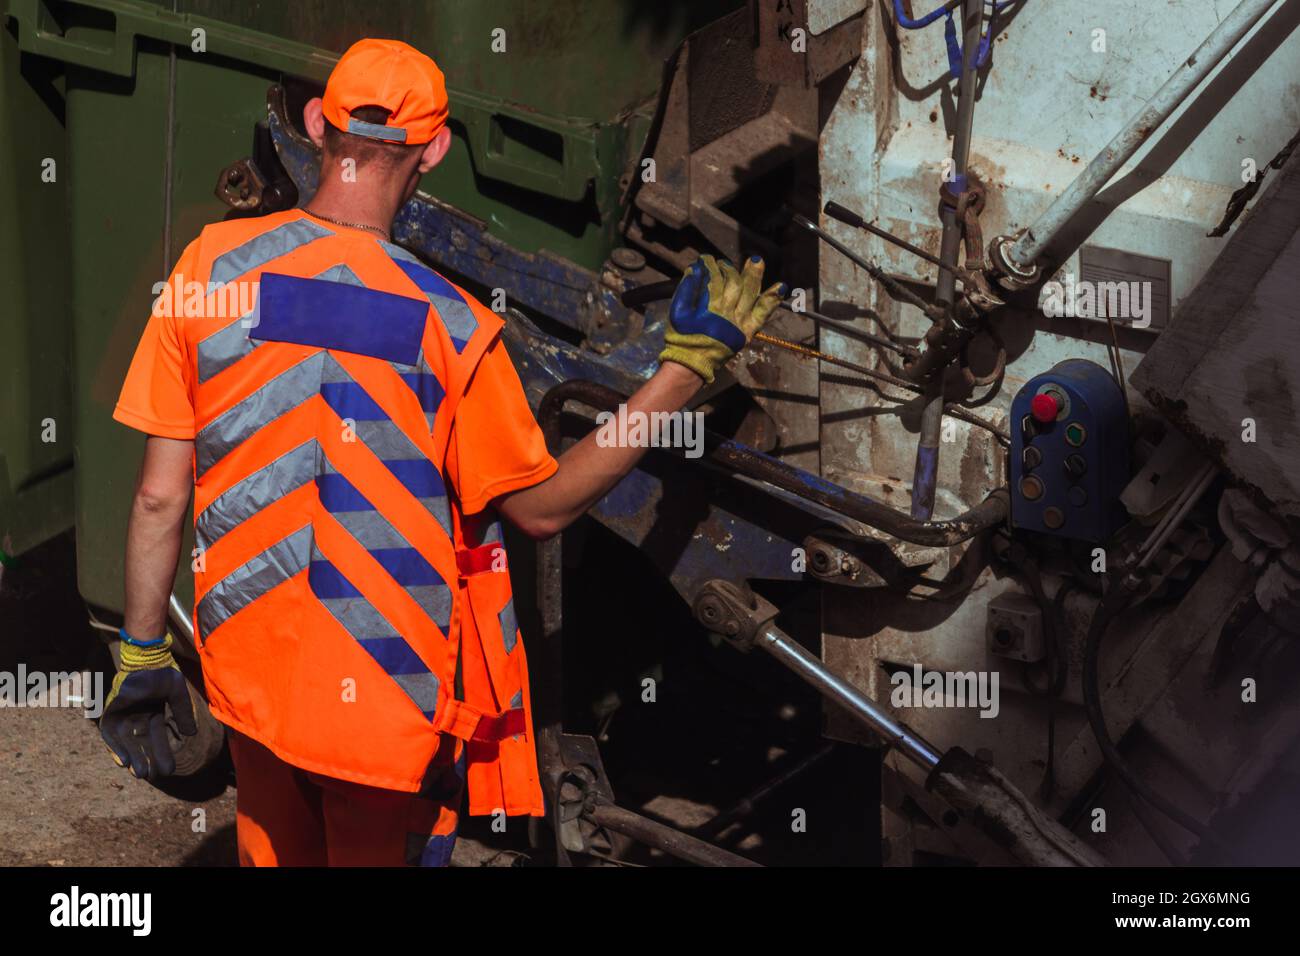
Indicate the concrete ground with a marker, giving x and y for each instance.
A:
(63, 801)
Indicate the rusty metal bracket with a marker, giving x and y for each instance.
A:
(734, 611)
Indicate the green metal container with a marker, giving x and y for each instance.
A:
(141, 104)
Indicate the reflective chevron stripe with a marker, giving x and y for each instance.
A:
(373, 632)
(238, 423)
(341, 273)
(248, 582)
(385, 544)
(226, 346)
(386, 440)
(265, 486)
(456, 315)
(426, 387)
(509, 625)
(260, 250)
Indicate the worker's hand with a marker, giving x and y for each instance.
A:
(715, 312)
(134, 722)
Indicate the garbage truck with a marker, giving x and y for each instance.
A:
(996, 519)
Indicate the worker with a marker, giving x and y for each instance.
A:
(349, 442)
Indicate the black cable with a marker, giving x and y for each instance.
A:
(1053, 630)
(1058, 665)
(1114, 760)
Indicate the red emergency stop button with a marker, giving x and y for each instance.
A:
(1044, 407)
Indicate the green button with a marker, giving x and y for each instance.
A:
(1076, 434)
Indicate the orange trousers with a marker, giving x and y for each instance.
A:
(286, 816)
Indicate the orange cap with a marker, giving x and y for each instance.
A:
(396, 76)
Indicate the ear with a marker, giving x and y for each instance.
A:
(314, 119)
(435, 150)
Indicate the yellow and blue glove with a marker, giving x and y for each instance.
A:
(134, 722)
(715, 312)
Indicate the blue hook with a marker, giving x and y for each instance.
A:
(955, 58)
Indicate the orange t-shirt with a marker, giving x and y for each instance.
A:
(496, 445)
(156, 396)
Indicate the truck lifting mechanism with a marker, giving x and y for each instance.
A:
(1023, 421)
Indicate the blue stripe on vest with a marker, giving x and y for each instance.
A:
(327, 582)
(452, 308)
(407, 566)
(352, 401)
(338, 494)
(335, 315)
(373, 633)
(410, 466)
(427, 389)
(394, 655)
(404, 564)
(418, 476)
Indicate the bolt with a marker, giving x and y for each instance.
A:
(711, 612)
(629, 260)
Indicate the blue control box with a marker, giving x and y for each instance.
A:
(1069, 453)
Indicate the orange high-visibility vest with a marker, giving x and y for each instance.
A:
(346, 613)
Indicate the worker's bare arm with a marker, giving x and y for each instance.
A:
(153, 537)
(715, 311)
(587, 469)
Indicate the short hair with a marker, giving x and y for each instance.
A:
(364, 149)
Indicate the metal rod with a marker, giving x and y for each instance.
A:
(642, 295)
(181, 619)
(1177, 519)
(925, 472)
(953, 409)
(857, 220)
(1120, 150)
(906, 351)
(661, 837)
(829, 684)
(1172, 508)
(895, 288)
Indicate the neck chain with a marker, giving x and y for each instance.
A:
(350, 225)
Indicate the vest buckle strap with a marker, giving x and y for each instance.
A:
(469, 723)
(472, 561)
(509, 723)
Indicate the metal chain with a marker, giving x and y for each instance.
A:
(350, 225)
